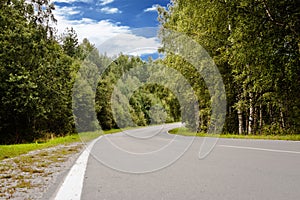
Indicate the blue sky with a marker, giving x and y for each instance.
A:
(114, 26)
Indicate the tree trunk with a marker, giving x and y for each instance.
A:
(260, 119)
(240, 118)
(282, 119)
(251, 112)
(255, 118)
(246, 126)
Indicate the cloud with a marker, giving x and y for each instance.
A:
(96, 31)
(72, 1)
(105, 2)
(109, 37)
(67, 10)
(100, 2)
(108, 10)
(152, 9)
(129, 44)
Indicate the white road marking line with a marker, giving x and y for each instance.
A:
(260, 149)
(72, 186)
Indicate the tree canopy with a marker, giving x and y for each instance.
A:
(256, 46)
(254, 43)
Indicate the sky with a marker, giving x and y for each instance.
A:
(114, 26)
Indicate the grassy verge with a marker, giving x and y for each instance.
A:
(9, 151)
(26, 176)
(186, 132)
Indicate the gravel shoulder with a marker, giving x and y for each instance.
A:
(37, 175)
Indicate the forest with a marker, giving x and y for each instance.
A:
(254, 43)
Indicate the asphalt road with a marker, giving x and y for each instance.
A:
(234, 170)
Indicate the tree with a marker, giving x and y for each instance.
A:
(255, 45)
(36, 76)
(70, 43)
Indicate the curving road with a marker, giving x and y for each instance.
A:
(234, 170)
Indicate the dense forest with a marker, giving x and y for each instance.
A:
(38, 77)
(254, 43)
(36, 72)
(256, 46)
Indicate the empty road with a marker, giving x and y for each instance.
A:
(139, 164)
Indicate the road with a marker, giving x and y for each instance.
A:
(235, 169)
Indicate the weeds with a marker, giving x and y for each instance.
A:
(24, 184)
(18, 174)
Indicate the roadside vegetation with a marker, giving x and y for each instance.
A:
(38, 71)
(10, 151)
(256, 46)
(186, 132)
(254, 43)
(29, 175)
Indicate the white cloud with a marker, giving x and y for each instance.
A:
(108, 37)
(100, 2)
(96, 31)
(105, 2)
(129, 44)
(67, 11)
(72, 1)
(152, 9)
(108, 10)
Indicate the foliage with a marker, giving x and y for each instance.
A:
(256, 46)
(115, 108)
(36, 75)
(254, 43)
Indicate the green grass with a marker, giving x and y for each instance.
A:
(186, 132)
(10, 151)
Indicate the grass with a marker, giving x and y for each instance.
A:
(10, 151)
(18, 175)
(21, 173)
(185, 132)
(24, 184)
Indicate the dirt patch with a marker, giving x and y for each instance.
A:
(30, 175)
